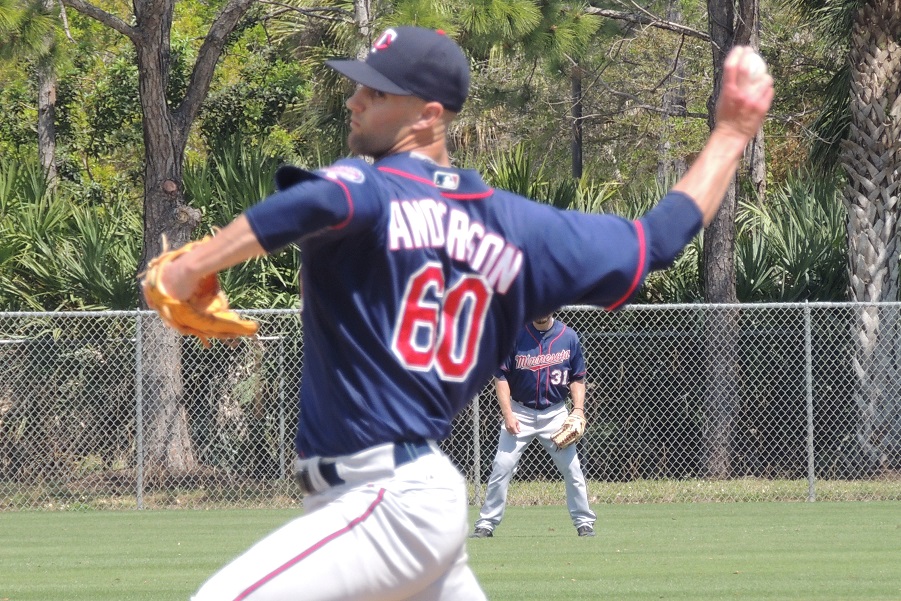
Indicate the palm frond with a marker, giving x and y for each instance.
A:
(794, 246)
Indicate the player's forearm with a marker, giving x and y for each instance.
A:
(709, 177)
(745, 98)
(232, 245)
(502, 389)
(577, 394)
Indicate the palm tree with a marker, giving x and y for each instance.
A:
(791, 247)
(59, 254)
(861, 131)
(871, 156)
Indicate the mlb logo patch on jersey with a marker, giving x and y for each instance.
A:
(345, 172)
(446, 180)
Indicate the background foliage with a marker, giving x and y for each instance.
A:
(272, 101)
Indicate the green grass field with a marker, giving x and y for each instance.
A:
(696, 551)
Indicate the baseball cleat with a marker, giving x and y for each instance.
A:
(585, 530)
(481, 533)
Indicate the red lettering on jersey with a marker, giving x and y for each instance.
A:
(440, 329)
(537, 362)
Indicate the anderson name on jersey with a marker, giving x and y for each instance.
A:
(429, 223)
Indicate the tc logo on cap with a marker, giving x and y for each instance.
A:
(384, 40)
(424, 63)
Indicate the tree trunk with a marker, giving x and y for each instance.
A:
(754, 162)
(363, 21)
(168, 451)
(719, 237)
(165, 211)
(747, 33)
(576, 101)
(167, 124)
(871, 156)
(167, 442)
(47, 121)
(46, 75)
(722, 398)
(721, 402)
(670, 168)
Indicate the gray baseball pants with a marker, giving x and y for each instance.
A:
(533, 424)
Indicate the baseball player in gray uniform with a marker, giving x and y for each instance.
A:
(417, 276)
(532, 386)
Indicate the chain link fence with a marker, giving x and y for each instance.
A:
(776, 402)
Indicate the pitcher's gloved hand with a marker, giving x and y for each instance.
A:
(205, 314)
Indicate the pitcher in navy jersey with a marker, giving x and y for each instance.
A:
(417, 277)
(533, 383)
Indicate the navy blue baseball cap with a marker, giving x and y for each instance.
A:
(412, 61)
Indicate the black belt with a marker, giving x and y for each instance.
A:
(404, 452)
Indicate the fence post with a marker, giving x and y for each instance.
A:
(139, 411)
(281, 406)
(477, 451)
(808, 373)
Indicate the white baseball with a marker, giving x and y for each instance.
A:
(756, 67)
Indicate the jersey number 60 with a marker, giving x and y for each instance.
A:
(440, 328)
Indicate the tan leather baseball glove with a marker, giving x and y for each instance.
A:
(205, 315)
(570, 432)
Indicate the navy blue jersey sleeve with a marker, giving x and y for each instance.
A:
(290, 215)
(597, 259)
(577, 363)
(331, 199)
(592, 259)
(670, 226)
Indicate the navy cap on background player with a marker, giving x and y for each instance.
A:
(413, 61)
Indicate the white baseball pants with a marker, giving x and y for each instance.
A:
(400, 538)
